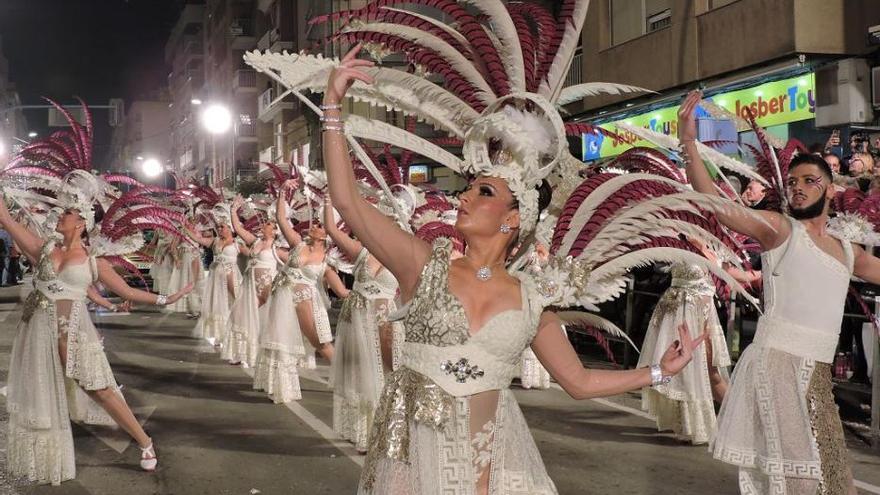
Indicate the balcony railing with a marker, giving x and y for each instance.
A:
(266, 110)
(575, 72)
(245, 78)
(247, 131)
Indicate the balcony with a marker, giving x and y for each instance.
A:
(268, 111)
(241, 34)
(247, 133)
(271, 41)
(268, 155)
(575, 72)
(244, 80)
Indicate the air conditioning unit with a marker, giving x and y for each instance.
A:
(843, 93)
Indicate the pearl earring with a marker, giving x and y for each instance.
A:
(505, 229)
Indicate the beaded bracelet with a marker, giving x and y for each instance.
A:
(331, 106)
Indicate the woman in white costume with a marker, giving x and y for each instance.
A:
(57, 354)
(163, 263)
(467, 324)
(223, 281)
(363, 333)
(187, 270)
(686, 405)
(245, 321)
(296, 313)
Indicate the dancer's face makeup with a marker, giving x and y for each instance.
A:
(484, 205)
(808, 191)
(268, 230)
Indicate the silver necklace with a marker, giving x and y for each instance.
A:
(484, 273)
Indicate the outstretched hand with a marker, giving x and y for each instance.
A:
(687, 116)
(349, 70)
(681, 351)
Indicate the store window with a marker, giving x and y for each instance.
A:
(633, 18)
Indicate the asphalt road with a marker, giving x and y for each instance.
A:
(215, 435)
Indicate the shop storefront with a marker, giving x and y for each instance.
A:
(786, 108)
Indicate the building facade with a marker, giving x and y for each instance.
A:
(143, 135)
(185, 56)
(780, 58)
(13, 126)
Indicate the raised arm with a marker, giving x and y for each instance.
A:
(349, 246)
(199, 238)
(248, 238)
(769, 228)
(287, 230)
(335, 283)
(556, 354)
(30, 243)
(113, 282)
(866, 266)
(402, 253)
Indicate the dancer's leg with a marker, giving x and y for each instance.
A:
(111, 402)
(307, 326)
(716, 379)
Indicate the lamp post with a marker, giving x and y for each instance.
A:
(217, 119)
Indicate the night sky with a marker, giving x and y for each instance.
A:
(96, 49)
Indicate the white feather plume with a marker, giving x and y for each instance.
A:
(582, 317)
(571, 94)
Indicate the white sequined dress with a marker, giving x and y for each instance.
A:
(187, 269)
(447, 416)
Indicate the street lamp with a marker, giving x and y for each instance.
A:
(151, 167)
(32, 134)
(217, 119)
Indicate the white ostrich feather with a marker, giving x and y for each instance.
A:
(392, 89)
(362, 155)
(455, 58)
(539, 130)
(571, 94)
(582, 317)
(382, 132)
(571, 39)
(511, 50)
(644, 257)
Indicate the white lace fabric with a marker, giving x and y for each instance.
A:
(245, 317)
(357, 374)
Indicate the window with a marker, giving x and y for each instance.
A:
(631, 19)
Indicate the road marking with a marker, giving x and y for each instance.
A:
(861, 485)
(320, 427)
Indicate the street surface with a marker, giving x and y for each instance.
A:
(215, 435)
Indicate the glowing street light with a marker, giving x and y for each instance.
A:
(151, 167)
(195, 101)
(32, 134)
(217, 119)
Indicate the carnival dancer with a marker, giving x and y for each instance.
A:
(468, 322)
(162, 266)
(224, 279)
(686, 405)
(363, 331)
(778, 422)
(187, 270)
(245, 322)
(58, 369)
(295, 308)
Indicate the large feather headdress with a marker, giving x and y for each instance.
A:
(503, 68)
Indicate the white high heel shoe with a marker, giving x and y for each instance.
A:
(149, 460)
